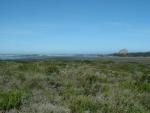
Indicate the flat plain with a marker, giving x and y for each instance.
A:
(100, 85)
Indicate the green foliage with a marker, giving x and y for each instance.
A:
(143, 83)
(29, 67)
(75, 86)
(145, 86)
(52, 69)
(81, 104)
(130, 84)
(145, 100)
(10, 99)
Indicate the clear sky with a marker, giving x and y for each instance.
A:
(74, 26)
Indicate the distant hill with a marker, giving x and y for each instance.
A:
(133, 54)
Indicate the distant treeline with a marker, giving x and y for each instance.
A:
(137, 54)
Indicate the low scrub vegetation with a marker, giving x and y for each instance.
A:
(10, 99)
(74, 86)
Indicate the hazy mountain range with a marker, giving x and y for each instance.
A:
(46, 56)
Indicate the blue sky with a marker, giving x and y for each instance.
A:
(74, 26)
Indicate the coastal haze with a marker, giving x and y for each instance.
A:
(44, 56)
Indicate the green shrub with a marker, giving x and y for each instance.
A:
(52, 69)
(92, 84)
(145, 100)
(23, 67)
(50, 95)
(70, 92)
(31, 67)
(10, 99)
(81, 104)
(143, 83)
(145, 78)
(145, 86)
(130, 84)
